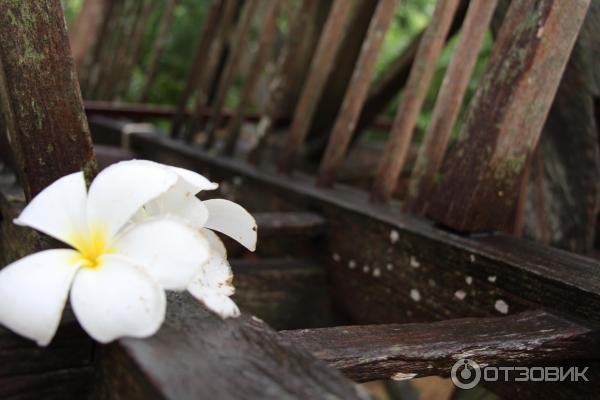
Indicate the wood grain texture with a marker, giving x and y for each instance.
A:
(481, 187)
(425, 63)
(41, 105)
(196, 354)
(320, 70)
(356, 94)
(372, 352)
(448, 104)
(259, 61)
(449, 275)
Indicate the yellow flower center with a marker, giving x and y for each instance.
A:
(91, 247)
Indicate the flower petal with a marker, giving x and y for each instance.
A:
(168, 249)
(194, 180)
(59, 210)
(117, 299)
(221, 305)
(33, 292)
(233, 220)
(181, 202)
(122, 189)
(216, 244)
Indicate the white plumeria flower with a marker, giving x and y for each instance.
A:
(117, 271)
(213, 283)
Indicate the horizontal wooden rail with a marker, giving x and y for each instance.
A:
(424, 272)
(196, 354)
(372, 352)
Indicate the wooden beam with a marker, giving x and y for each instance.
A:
(260, 59)
(87, 29)
(40, 102)
(357, 93)
(321, 67)
(196, 354)
(405, 351)
(425, 272)
(448, 104)
(481, 187)
(421, 74)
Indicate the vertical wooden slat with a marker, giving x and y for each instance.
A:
(159, 47)
(40, 100)
(482, 184)
(357, 93)
(217, 54)
(396, 74)
(447, 107)
(264, 47)
(422, 71)
(209, 29)
(240, 41)
(320, 69)
(305, 25)
(86, 32)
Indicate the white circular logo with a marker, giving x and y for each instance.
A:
(465, 374)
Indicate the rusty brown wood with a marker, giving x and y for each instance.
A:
(41, 106)
(430, 47)
(217, 55)
(87, 29)
(448, 103)
(396, 74)
(372, 352)
(357, 93)
(159, 47)
(264, 47)
(306, 23)
(209, 29)
(481, 185)
(321, 67)
(240, 42)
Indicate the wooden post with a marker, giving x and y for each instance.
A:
(40, 100)
(87, 29)
(209, 29)
(320, 70)
(159, 47)
(481, 187)
(447, 107)
(357, 93)
(240, 41)
(422, 71)
(265, 46)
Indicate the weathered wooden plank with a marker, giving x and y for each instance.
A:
(292, 67)
(286, 293)
(449, 101)
(481, 187)
(196, 354)
(357, 93)
(393, 79)
(41, 105)
(290, 223)
(430, 47)
(264, 48)
(64, 384)
(159, 47)
(405, 351)
(404, 257)
(209, 30)
(321, 67)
